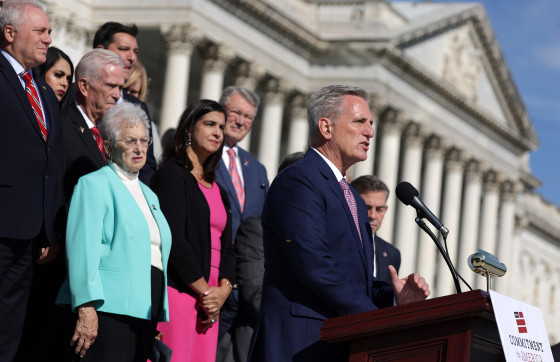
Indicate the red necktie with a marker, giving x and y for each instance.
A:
(33, 97)
(98, 140)
(236, 179)
(352, 205)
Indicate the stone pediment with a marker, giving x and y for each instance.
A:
(459, 49)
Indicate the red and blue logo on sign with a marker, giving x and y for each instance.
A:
(521, 325)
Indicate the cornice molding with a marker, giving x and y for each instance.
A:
(395, 61)
(269, 21)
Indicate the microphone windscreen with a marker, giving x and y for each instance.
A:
(406, 192)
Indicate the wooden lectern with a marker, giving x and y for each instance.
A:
(455, 328)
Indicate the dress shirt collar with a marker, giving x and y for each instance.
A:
(86, 118)
(225, 155)
(336, 171)
(18, 68)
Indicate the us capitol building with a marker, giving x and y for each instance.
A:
(448, 116)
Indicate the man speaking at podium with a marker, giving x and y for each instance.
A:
(318, 241)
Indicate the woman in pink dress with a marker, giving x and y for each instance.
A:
(201, 263)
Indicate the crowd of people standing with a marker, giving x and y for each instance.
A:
(102, 250)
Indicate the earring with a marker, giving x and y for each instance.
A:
(188, 140)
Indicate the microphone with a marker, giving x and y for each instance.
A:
(409, 196)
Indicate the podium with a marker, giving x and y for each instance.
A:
(456, 328)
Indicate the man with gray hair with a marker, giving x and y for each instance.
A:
(245, 180)
(30, 165)
(99, 80)
(317, 240)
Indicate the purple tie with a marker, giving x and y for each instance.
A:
(352, 205)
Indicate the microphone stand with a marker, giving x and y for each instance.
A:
(424, 227)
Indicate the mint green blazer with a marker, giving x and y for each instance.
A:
(108, 248)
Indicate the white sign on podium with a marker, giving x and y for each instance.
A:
(522, 330)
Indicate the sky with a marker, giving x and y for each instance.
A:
(528, 32)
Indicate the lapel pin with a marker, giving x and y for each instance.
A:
(44, 88)
(82, 129)
(154, 207)
(245, 162)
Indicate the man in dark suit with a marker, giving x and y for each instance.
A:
(317, 239)
(375, 193)
(246, 183)
(30, 166)
(121, 40)
(99, 79)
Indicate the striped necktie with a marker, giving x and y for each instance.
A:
(236, 179)
(33, 97)
(352, 205)
(98, 140)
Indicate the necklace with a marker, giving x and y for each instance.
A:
(198, 173)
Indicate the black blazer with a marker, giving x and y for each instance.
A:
(188, 215)
(81, 154)
(30, 169)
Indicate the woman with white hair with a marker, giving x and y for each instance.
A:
(117, 247)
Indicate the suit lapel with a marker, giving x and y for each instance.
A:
(19, 91)
(227, 184)
(158, 217)
(248, 178)
(337, 191)
(84, 134)
(49, 112)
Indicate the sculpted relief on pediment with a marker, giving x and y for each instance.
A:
(462, 66)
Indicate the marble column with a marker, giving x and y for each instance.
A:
(546, 283)
(406, 230)
(431, 195)
(299, 127)
(539, 284)
(489, 218)
(519, 274)
(468, 239)
(390, 128)
(181, 40)
(248, 75)
(271, 128)
(215, 59)
(450, 217)
(507, 243)
(554, 298)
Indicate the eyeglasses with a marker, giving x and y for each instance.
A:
(131, 141)
(238, 113)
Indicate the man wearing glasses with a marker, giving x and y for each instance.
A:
(375, 194)
(246, 183)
